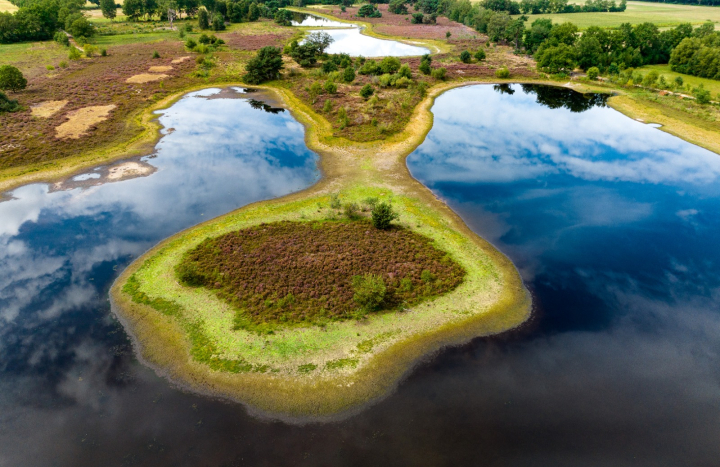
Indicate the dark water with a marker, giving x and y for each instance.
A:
(612, 224)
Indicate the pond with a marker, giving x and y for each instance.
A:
(351, 41)
(301, 19)
(613, 225)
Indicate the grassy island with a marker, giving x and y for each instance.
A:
(260, 305)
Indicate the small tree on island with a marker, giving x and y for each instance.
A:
(383, 215)
(265, 66)
(369, 291)
(11, 79)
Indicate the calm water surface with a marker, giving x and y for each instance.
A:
(352, 42)
(613, 225)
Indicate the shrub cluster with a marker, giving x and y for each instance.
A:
(311, 272)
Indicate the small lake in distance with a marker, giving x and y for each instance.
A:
(351, 41)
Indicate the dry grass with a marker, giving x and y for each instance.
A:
(81, 120)
(5, 5)
(180, 59)
(146, 77)
(160, 69)
(47, 109)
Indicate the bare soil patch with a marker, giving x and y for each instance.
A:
(145, 78)
(81, 120)
(160, 69)
(180, 59)
(47, 109)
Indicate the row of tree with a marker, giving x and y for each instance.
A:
(560, 48)
(38, 19)
(698, 55)
(551, 6)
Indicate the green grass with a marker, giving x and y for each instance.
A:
(662, 14)
(122, 39)
(710, 84)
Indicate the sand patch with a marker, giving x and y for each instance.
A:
(47, 109)
(159, 69)
(80, 120)
(180, 60)
(145, 78)
(128, 170)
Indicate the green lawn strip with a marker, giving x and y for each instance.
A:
(711, 85)
(637, 12)
(289, 348)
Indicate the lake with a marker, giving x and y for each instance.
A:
(612, 223)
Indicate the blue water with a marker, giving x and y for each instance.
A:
(612, 223)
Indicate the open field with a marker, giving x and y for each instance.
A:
(662, 14)
(711, 85)
(5, 5)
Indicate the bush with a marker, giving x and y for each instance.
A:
(203, 19)
(49, 67)
(218, 22)
(404, 72)
(11, 79)
(329, 66)
(264, 66)
(89, 50)
(383, 215)
(7, 104)
(593, 73)
(390, 65)
(369, 11)
(63, 64)
(439, 73)
(343, 119)
(348, 75)
(398, 7)
(370, 67)
(190, 44)
(366, 91)
(425, 65)
(327, 108)
(155, 54)
(502, 73)
(74, 54)
(189, 275)
(103, 52)
(369, 291)
(330, 87)
(351, 211)
(465, 56)
(62, 38)
(480, 55)
(702, 95)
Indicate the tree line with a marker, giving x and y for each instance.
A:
(699, 54)
(38, 20)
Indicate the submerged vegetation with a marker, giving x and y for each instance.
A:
(312, 272)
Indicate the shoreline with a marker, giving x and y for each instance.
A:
(161, 341)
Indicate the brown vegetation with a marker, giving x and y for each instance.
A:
(290, 272)
(86, 83)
